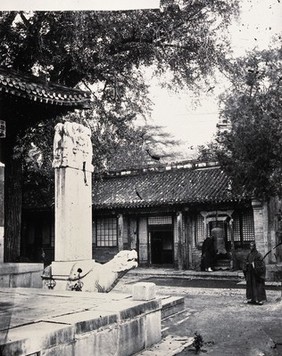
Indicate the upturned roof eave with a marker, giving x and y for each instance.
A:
(36, 90)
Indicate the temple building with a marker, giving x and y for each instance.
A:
(165, 213)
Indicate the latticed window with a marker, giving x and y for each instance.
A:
(236, 228)
(243, 227)
(106, 232)
(248, 226)
(2, 129)
(160, 220)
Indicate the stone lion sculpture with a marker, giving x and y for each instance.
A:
(90, 276)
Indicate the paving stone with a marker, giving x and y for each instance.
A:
(170, 345)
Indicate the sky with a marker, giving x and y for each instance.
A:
(259, 21)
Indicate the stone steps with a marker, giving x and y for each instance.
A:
(223, 263)
(190, 274)
(171, 305)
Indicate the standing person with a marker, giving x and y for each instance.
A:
(208, 254)
(254, 271)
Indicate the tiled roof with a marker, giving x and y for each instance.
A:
(175, 186)
(35, 89)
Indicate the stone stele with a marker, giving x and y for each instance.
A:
(72, 162)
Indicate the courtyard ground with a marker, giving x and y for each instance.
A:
(214, 308)
(217, 311)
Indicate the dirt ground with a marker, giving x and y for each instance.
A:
(227, 325)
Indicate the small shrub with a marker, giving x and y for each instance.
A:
(198, 342)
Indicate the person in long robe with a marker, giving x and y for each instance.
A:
(254, 271)
(208, 255)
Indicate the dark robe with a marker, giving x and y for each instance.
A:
(208, 254)
(254, 270)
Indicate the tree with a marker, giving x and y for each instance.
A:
(110, 49)
(207, 152)
(107, 52)
(143, 147)
(251, 149)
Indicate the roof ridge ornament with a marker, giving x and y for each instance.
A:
(187, 164)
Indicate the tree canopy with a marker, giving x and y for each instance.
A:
(107, 47)
(250, 150)
(107, 52)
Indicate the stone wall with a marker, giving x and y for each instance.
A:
(26, 275)
(275, 230)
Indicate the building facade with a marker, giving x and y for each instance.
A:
(165, 214)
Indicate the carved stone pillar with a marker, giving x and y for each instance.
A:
(260, 226)
(73, 195)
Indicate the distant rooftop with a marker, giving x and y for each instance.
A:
(181, 183)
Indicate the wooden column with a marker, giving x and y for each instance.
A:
(120, 232)
(232, 249)
(180, 235)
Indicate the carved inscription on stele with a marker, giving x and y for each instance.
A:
(72, 146)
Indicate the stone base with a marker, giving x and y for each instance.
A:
(78, 323)
(26, 275)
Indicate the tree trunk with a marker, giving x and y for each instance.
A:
(13, 210)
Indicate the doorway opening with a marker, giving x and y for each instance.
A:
(161, 245)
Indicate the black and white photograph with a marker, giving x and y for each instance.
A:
(140, 177)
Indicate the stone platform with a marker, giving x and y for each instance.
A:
(45, 322)
(27, 275)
